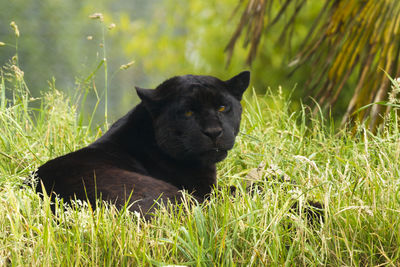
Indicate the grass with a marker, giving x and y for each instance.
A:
(299, 158)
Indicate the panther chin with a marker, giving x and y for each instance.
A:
(213, 156)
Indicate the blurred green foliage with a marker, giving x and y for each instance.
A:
(163, 38)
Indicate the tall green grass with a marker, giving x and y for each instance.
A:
(299, 158)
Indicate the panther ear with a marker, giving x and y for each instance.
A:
(238, 84)
(148, 97)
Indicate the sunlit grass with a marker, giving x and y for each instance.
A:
(355, 175)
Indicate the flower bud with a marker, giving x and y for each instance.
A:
(126, 66)
(97, 16)
(112, 26)
(15, 28)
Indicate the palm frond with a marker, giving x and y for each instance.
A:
(349, 37)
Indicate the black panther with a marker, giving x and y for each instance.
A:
(169, 142)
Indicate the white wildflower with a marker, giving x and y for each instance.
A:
(393, 99)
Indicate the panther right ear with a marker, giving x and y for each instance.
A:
(144, 94)
(148, 97)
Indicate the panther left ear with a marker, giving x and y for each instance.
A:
(238, 84)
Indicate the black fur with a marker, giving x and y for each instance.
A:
(169, 142)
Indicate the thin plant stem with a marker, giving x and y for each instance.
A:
(105, 79)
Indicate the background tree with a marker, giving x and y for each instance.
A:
(351, 42)
(60, 40)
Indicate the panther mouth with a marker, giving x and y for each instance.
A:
(214, 155)
(215, 150)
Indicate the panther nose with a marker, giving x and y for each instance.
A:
(213, 133)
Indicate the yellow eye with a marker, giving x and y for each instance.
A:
(221, 108)
(188, 113)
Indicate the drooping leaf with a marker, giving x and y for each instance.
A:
(349, 38)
